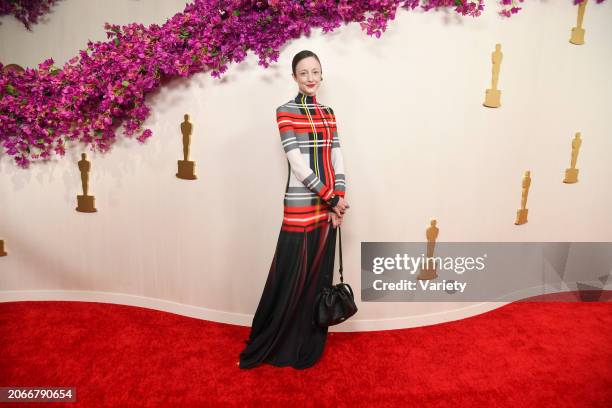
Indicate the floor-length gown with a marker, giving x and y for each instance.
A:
(283, 332)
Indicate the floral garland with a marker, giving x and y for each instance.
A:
(510, 7)
(106, 84)
(26, 11)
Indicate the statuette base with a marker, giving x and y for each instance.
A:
(492, 98)
(571, 176)
(86, 204)
(427, 274)
(186, 170)
(577, 37)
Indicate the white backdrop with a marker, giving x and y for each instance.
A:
(417, 143)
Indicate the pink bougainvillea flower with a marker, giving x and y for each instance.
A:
(26, 11)
(104, 87)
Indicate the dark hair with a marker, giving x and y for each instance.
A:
(300, 56)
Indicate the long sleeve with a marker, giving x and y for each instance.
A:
(300, 168)
(338, 163)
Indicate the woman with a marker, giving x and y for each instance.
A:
(283, 331)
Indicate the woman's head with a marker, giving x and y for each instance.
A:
(307, 72)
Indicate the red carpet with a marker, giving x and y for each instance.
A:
(523, 354)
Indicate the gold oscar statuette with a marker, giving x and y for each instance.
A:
(186, 168)
(493, 95)
(571, 174)
(577, 36)
(521, 214)
(429, 271)
(2, 251)
(85, 202)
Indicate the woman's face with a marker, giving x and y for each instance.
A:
(308, 75)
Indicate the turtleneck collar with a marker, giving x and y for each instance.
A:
(305, 98)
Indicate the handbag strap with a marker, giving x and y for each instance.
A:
(340, 248)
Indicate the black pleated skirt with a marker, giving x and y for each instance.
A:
(283, 332)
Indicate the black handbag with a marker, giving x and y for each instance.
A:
(334, 304)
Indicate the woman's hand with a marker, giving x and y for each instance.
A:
(341, 207)
(334, 218)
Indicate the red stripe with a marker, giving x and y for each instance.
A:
(302, 229)
(303, 221)
(327, 166)
(306, 127)
(305, 209)
(304, 214)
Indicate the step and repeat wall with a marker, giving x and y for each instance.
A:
(417, 139)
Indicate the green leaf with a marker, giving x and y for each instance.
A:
(125, 83)
(184, 34)
(116, 40)
(11, 90)
(236, 13)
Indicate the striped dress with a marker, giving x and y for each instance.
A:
(283, 332)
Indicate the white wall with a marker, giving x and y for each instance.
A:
(416, 140)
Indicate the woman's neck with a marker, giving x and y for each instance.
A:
(305, 98)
